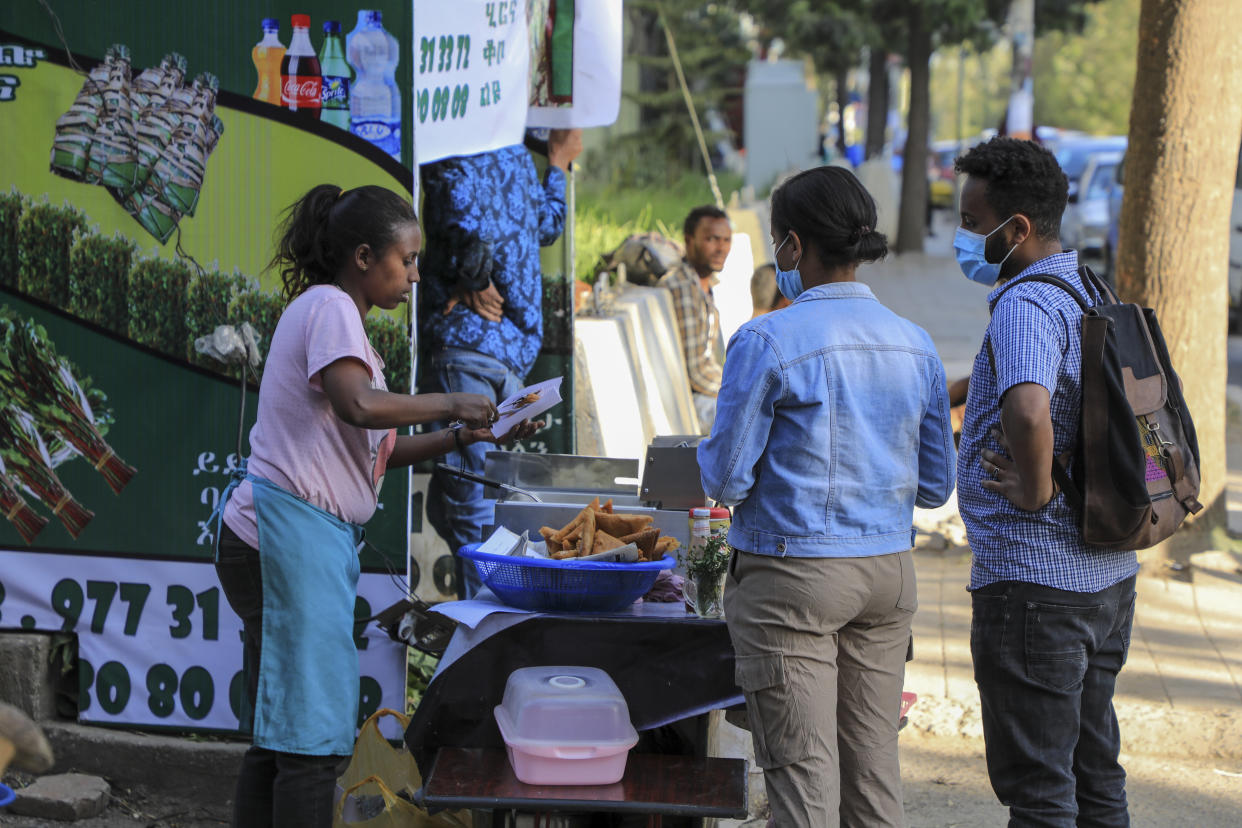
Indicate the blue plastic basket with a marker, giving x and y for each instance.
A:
(7, 796)
(564, 586)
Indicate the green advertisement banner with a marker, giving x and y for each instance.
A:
(141, 184)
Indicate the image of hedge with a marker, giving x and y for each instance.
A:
(207, 307)
(47, 252)
(45, 236)
(392, 339)
(99, 280)
(157, 298)
(262, 311)
(12, 204)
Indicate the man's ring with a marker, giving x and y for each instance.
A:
(992, 469)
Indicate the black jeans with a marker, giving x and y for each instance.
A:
(1046, 662)
(274, 790)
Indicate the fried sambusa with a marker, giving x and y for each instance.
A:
(618, 525)
(645, 540)
(598, 529)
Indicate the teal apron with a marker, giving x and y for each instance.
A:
(308, 665)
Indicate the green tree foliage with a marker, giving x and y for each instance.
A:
(1085, 80)
(713, 57)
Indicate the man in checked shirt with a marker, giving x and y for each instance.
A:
(708, 239)
(1051, 614)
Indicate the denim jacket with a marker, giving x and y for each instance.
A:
(831, 425)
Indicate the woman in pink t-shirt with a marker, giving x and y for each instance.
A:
(325, 434)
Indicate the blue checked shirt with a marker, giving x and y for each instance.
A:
(1035, 336)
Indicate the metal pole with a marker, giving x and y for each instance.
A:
(961, 137)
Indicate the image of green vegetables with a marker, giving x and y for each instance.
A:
(42, 383)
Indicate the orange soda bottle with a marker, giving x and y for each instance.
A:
(267, 55)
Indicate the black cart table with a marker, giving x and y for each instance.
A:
(669, 664)
(654, 785)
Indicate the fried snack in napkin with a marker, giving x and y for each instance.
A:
(645, 540)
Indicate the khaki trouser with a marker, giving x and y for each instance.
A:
(821, 648)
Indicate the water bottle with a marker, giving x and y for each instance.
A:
(374, 100)
(335, 96)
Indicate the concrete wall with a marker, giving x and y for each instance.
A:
(781, 124)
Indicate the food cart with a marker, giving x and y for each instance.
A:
(672, 666)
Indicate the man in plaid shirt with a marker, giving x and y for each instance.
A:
(708, 239)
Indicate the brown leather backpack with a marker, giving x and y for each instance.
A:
(1136, 469)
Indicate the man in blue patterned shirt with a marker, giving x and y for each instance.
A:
(1051, 614)
(480, 308)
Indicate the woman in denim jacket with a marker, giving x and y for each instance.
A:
(832, 424)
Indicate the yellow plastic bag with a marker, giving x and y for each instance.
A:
(374, 756)
(376, 770)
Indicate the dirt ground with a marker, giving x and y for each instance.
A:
(945, 782)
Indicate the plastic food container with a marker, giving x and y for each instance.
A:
(565, 726)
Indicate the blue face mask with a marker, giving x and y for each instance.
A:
(788, 281)
(971, 258)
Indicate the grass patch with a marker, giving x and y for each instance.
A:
(606, 214)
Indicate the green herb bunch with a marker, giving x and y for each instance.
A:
(710, 559)
(42, 384)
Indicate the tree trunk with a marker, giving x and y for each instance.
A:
(1185, 124)
(648, 40)
(877, 102)
(841, 78)
(912, 216)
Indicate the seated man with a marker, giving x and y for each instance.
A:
(709, 237)
(765, 296)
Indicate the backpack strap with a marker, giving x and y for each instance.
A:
(1049, 279)
(1091, 282)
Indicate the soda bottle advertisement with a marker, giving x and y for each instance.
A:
(301, 81)
(334, 99)
(148, 157)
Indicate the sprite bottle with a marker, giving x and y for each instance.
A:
(335, 96)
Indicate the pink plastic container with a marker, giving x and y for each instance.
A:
(565, 726)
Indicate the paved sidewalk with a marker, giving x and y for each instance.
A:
(1181, 690)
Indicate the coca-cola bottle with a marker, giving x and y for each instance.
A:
(301, 82)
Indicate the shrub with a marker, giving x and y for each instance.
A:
(45, 236)
(157, 300)
(262, 311)
(99, 280)
(12, 204)
(392, 339)
(207, 306)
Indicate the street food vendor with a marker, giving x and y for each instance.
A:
(832, 423)
(325, 434)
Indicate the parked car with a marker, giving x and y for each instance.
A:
(1072, 154)
(940, 175)
(1084, 227)
(1115, 194)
